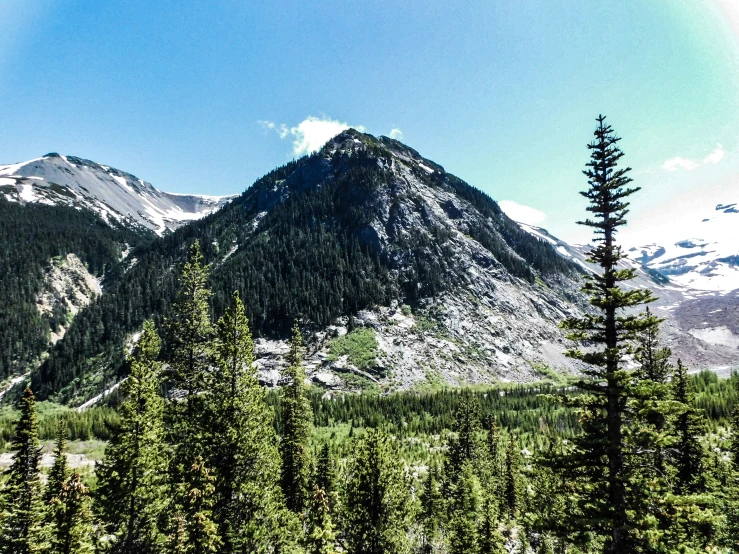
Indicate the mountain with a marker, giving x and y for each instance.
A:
(116, 196)
(704, 256)
(441, 286)
(700, 326)
(65, 223)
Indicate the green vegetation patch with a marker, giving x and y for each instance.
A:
(360, 346)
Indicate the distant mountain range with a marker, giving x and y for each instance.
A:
(364, 234)
(116, 196)
(705, 256)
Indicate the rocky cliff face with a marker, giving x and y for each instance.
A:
(118, 197)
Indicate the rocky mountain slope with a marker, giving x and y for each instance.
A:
(66, 223)
(116, 196)
(365, 234)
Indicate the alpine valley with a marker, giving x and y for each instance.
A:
(401, 275)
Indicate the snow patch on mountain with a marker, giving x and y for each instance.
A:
(116, 196)
(704, 256)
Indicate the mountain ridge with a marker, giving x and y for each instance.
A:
(117, 197)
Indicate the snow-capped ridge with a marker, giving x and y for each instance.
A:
(118, 197)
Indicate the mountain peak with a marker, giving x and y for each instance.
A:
(118, 197)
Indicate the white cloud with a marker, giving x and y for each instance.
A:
(673, 164)
(716, 156)
(396, 133)
(310, 134)
(522, 214)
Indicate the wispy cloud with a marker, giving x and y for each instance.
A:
(396, 133)
(673, 164)
(688, 164)
(716, 156)
(310, 134)
(522, 214)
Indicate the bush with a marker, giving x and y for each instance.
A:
(360, 346)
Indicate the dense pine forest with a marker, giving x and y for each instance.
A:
(634, 455)
(30, 236)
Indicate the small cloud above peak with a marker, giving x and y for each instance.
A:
(673, 164)
(687, 164)
(310, 134)
(396, 133)
(522, 214)
(716, 156)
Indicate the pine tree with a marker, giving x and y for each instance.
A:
(689, 427)
(73, 520)
(512, 478)
(545, 546)
(58, 474)
(190, 337)
(598, 460)
(491, 540)
(465, 444)
(20, 531)
(200, 530)
(432, 507)
(177, 537)
(653, 360)
(241, 443)
(493, 453)
(297, 421)
(132, 476)
(465, 507)
(377, 503)
(325, 475)
(650, 404)
(321, 537)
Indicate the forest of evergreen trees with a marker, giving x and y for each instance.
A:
(30, 236)
(201, 459)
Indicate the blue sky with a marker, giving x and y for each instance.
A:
(208, 96)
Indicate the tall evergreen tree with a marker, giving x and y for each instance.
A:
(297, 421)
(513, 478)
(465, 444)
(20, 525)
(493, 453)
(377, 504)
(689, 427)
(201, 533)
(190, 339)
(56, 481)
(465, 508)
(321, 537)
(133, 474)
(59, 471)
(325, 475)
(241, 442)
(432, 510)
(73, 528)
(491, 540)
(597, 459)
